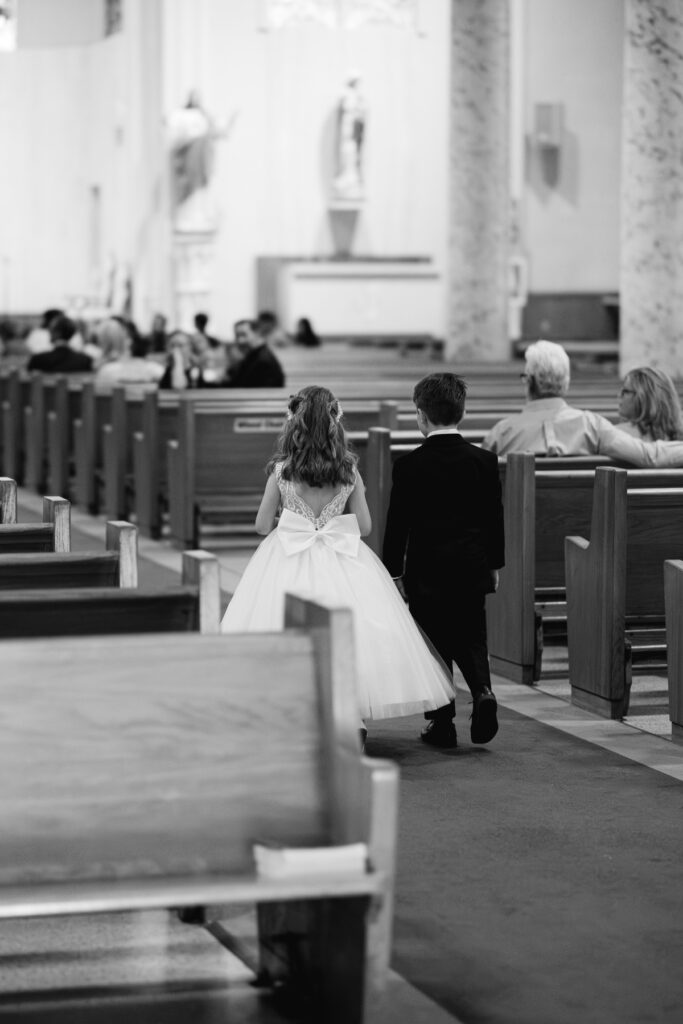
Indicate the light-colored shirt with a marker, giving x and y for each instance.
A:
(550, 426)
(632, 430)
(130, 371)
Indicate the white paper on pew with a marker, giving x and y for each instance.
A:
(282, 861)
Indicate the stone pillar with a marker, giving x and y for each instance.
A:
(651, 288)
(479, 180)
(194, 220)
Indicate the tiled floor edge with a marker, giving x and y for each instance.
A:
(644, 748)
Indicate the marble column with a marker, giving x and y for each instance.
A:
(651, 287)
(479, 180)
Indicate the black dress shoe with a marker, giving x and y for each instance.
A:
(484, 721)
(439, 734)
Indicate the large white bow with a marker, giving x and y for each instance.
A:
(297, 533)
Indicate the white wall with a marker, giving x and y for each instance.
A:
(574, 56)
(273, 174)
(72, 118)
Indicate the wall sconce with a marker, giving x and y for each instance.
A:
(547, 140)
(548, 125)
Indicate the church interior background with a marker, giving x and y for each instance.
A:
(492, 201)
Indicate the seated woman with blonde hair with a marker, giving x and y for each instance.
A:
(122, 361)
(649, 406)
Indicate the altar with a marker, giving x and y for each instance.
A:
(354, 296)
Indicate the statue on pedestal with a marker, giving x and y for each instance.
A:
(192, 135)
(351, 117)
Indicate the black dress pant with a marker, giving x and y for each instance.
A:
(455, 623)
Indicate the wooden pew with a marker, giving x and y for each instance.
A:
(115, 567)
(8, 500)
(120, 445)
(13, 426)
(544, 502)
(216, 467)
(195, 605)
(64, 411)
(53, 534)
(125, 788)
(673, 604)
(88, 434)
(253, 412)
(544, 499)
(381, 448)
(53, 405)
(615, 586)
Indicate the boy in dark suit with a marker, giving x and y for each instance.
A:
(444, 544)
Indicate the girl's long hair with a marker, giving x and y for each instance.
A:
(657, 406)
(312, 446)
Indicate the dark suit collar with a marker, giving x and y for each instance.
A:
(443, 439)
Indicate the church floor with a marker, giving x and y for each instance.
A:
(539, 878)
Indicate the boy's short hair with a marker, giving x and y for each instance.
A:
(441, 397)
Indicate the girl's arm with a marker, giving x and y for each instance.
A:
(265, 517)
(359, 506)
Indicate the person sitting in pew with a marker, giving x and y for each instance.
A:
(649, 406)
(315, 547)
(181, 371)
(259, 366)
(123, 359)
(61, 358)
(550, 426)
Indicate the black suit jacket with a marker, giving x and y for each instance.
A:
(260, 368)
(60, 359)
(445, 520)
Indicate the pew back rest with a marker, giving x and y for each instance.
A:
(8, 500)
(193, 606)
(226, 450)
(114, 567)
(91, 611)
(654, 533)
(564, 507)
(166, 755)
(53, 534)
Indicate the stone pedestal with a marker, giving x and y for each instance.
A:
(651, 287)
(193, 256)
(479, 180)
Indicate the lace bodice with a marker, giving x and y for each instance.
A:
(295, 503)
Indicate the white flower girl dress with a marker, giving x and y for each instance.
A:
(323, 557)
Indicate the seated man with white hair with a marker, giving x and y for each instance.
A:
(548, 425)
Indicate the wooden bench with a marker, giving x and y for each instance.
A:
(139, 775)
(615, 587)
(115, 567)
(673, 604)
(544, 501)
(195, 605)
(164, 418)
(8, 500)
(53, 534)
(16, 394)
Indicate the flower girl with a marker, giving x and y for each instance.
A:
(315, 549)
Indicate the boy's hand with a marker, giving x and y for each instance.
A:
(495, 580)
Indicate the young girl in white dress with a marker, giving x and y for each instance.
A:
(314, 548)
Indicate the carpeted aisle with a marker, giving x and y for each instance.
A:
(540, 879)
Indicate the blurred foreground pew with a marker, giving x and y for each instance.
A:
(139, 775)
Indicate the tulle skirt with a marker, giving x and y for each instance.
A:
(397, 672)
